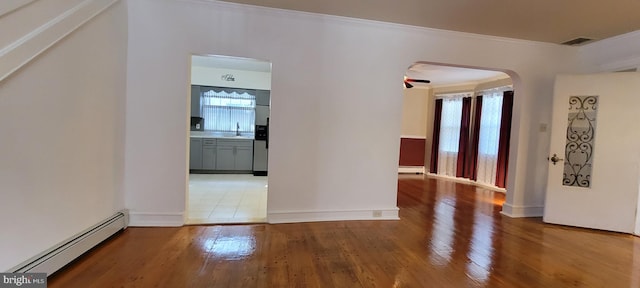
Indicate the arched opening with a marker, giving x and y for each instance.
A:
(474, 144)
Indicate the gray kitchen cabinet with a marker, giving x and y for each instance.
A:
(209, 152)
(195, 153)
(195, 101)
(226, 158)
(235, 154)
(244, 158)
(263, 97)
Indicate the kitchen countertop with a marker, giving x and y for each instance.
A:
(203, 134)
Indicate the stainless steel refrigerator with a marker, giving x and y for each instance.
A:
(261, 141)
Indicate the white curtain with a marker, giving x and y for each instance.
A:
(228, 111)
(450, 133)
(489, 135)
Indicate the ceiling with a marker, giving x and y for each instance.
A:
(553, 21)
(447, 75)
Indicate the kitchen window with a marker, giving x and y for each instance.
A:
(228, 110)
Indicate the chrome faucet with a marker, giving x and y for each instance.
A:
(237, 128)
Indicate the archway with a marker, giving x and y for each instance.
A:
(452, 79)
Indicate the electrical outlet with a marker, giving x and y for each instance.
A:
(377, 213)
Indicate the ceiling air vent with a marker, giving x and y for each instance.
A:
(577, 41)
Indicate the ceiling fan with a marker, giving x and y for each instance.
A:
(408, 81)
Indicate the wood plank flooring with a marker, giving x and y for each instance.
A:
(449, 235)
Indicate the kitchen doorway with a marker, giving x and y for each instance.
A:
(228, 140)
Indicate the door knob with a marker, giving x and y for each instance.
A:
(554, 159)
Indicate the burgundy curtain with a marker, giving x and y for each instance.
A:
(505, 135)
(471, 167)
(433, 168)
(465, 122)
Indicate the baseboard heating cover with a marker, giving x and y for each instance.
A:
(60, 255)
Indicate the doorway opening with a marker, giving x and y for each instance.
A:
(462, 140)
(228, 140)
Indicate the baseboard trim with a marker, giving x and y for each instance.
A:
(411, 169)
(153, 219)
(467, 181)
(519, 211)
(29, 46)
(276, 217)
(413, 137)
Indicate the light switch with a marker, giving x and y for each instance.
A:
(543, 127)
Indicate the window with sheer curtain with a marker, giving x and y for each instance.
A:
(228, 111)
(489, 139)
(449, 140)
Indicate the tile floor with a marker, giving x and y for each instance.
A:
(227, 198)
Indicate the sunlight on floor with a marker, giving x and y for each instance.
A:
(227, 198)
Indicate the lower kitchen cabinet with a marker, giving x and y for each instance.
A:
(216, 154)
(235, 154)
(226, 158)
(209, 154)
(195, 153)
(244, 158)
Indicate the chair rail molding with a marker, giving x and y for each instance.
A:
(25, 48)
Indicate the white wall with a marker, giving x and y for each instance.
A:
(613, 54)
(61, 131)
(414, 112)
(209, 76)
(336, 114)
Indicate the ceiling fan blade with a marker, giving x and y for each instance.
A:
(418, 80)
(407, 84)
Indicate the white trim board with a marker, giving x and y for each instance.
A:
(276, 217)
(413, 137)
(23, 50)
(517, 211)
(467, 181)
(156, 219)
(637, 228)
(411, 169)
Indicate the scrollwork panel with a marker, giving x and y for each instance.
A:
(580, 141)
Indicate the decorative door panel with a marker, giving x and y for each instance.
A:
(593, 176)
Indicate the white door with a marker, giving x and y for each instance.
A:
(595, 130)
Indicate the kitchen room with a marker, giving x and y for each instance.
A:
(228, 151)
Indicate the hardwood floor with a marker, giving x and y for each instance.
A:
(449, 235)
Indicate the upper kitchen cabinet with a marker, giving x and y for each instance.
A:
(195, 101)
(262, 97)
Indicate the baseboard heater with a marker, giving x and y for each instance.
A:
(62, 254)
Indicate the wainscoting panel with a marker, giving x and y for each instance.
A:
(412, 151)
